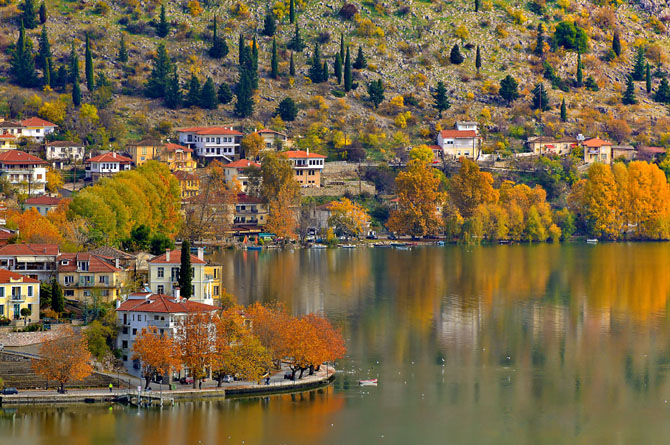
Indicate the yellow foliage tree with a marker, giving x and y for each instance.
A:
(54, 181)
(157, 354)
(348, 217)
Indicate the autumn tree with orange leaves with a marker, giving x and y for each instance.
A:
(157, 354)
(195, 338)
(34, 228)
(348, 218)
(269, 324)
(276, 185)
(64, 359)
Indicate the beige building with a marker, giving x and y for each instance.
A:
(164, 275)
(84, 275)
(143, 151)
(19, 292)
(307, 167)
(549, 146)
(464, 141)
(597, 150)
(274, 140)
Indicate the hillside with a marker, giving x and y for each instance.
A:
(407, 45)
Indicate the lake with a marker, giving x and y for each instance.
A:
(497, 344)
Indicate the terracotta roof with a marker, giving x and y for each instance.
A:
(268, 131)
(596, 142)
(146, 143)
(242, 163)
(44, 201)
(174, 147)
(294, 154)
(111, 252)
(29, 250)
(163, 304)
(175, 258)
(7, 136)
(95, 263)
(655, 150)
(110, 157)
(243, 198)
(10, 124)
(210, 130)
(185, 176)
(63, 144)
(457, 134)
(7, 276)
(6, 234)
(36, 122)
(435, 147)
(19, 157)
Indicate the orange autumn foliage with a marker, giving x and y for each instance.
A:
(34, 228)
(156, 352)
(195, 340)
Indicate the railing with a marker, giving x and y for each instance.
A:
(19, 297)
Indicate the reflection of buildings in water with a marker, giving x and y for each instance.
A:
(457, 325)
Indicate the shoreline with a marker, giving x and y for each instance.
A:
(76, 397)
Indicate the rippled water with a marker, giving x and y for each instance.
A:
(503, 344)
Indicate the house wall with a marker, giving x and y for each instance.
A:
(26, 295)
(202, 286)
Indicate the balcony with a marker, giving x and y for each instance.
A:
(160, 324)
(18, 298)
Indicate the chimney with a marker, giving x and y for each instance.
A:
(116, 263)
(307, 151)
(167, 255)
(118, 304)
(176, 293)
(114, 155)
(201, 253)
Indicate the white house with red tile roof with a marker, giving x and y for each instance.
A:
(24, 170)
(464, 141)
(84, 275)
(307, 167)
(19, 292)
(597, 150)
(164, 275)
(64, 151)
(37, 261)
(145, 309)
(237, 171)
(43, 204)
(106, 164)
(222, 143)
(33, 127)
(274, 140)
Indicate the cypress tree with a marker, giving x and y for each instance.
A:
(478, 60)
(360, 61)
(342, 54)
(539, 45)
(348, 80)
(45, 49)
(455, 56)
(57, 300)
(269, 24)
(29, 15)
(509, 89)
(23, 62)
(287, 110)
(324, 72)
(441, 100)
(477, 5)
(616, 43)
(173, 97)
(193, 94)
(43, 13)
(46, 76)
(648, 79)
(60, 77)
(663, 92)
(123, 52)
(580, 75)
(158, 79)
(628, 97)
(225, 95)
(244, 106)
(291, 67)
(639, 67)
(564, 111)
(185, 274)
(219, 48)
(274, 64)
(74, 64)
(316, 67)
(540, 98)
(338, 68)
(76, 92)
(208, 98)
(253, 69)
(163, 28)
(240, 49)
(296, 43)
(90, 79)
(291, 11)
(376, 92)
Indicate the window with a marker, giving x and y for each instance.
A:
(30, 291)
(103, 279)
(30, 308)
(82, 265)
(2, 293)
(68, 293)
(134, 331)
(124, 345)
(125, 358)
(160, 289)
(160, 272)
(155, 317)
(87, 293)
(2, 309)
(69, 279)
(124, 330)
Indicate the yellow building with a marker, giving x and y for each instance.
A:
(84, 275)
(8, 142)
(189, 183)
(214, 272)
(18, 292)
(177, 157)
(146, 150)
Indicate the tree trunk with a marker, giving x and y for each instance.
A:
(194, 382)
(311, 369)
(146, 382)
(302, 370)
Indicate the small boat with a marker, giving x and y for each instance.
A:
(382, 245)
(592, 241)
(440, 243)
(254, 248)
(348, 246)
(319, 246)
(368, 382)
(402, 246)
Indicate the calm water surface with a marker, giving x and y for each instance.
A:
(504, 344)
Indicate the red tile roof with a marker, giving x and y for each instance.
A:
(96, 264)
(174, 147)
(243, 198)
(185, 176)
(175, 258)
(29, 250)
(110, 157)
(295, 154)
(7, 136)
(595, 142)
(19, 157)
(242, 163)
(210, 130)
(44, 201)
(458, 134)
(37, 122)
(268, 131)
(6, 276)
(654, 150)
(163, 304)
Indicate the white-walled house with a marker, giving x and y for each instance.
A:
(33, 128)
(144, 309)
(306, 166)
(274, 140)
(209, 143)
(106, 164)
(24, 170)
(43, 204)
(61, 152)
(164, 275)
(462, 141)
(236, 171)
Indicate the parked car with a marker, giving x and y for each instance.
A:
(228, 379)
(186, 380)
(10, 391)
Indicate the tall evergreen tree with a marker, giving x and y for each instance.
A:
(173, 97)
(225, 95)
(123, 52)
(29, 15)
(88, 66)
(580, 75)
(316, 66)
(616, 43)
(76, 92)
(628, 97)
(342, 53)
(287, 110)
(348, 79)
(360, 61)
(296, 43)
(274, 64)
(193, 93)
(376, 92)
(455, 56)
(43, 13)
(163, 28)
(219, 48)
(208, 98)
(185, 273)
(324, 72)
(46, 73)
(269, 24)
(254, 64)
(23, 62)
(240, 49)
(648, 79)
(74, 64)
(477, 2)
(662, 94)
(244, 106)
(639, 66)
(540, 98)
(338, 68)
(441, 100)
(478, 60)
(158, 79)
(44, 50)
(291, 11)
(57, 300)
(509, 89)
(291, 67)
(539, 44)
(564, 111)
